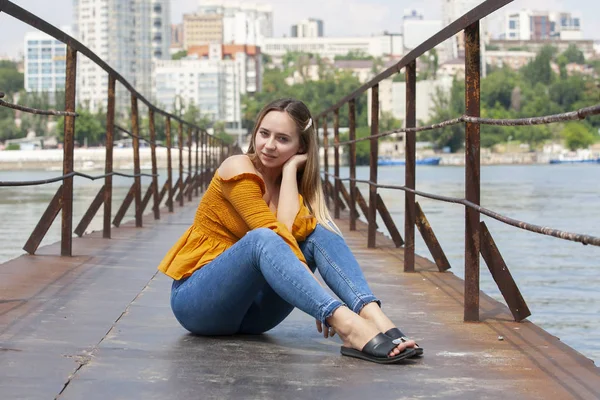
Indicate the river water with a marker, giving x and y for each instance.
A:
(558, 279)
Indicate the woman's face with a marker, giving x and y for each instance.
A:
(277, 139)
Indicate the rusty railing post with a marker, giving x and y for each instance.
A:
(169, 167)
(326, 160)
(135, 129)
(203, 159)
(68, 154)
(190, 163)
(336, 162)
(410, 167)
(373, 142)
(108, 163)
(352, 162)
(472, 172)
(197, 176)
(152, 127)
(181, 180)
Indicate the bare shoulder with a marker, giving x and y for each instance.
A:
(235, 165)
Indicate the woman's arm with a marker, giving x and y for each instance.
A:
(289, 205)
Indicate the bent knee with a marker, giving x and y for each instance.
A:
(262, 234)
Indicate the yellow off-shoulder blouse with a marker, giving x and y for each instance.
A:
(228, 210)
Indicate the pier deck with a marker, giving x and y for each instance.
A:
(98, 326)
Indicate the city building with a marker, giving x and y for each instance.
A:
(235, 23)
(212, 81)
(202, 29)
(176, 37)
(328, 47)
(128, 35)
(451, 11)
(417, 29)
(541, 25)
(512, 59)
(584, 45)
(45, 62)
(307, 28)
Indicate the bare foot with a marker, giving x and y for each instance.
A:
(356, 331)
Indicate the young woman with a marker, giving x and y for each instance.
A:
(260, 231)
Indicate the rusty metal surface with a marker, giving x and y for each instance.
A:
(362, 203)
(146, 198)
(135, 129)
(169, 166)
(190, 158)
(156, 201)
(472, 171)
(389, 222)
(66, 232)
(430, 240)
(336, 161)
(36, 111)
(326, 161)
(373, 155)
(410, 172)
(502, 276)
(108, 162)
(45, 222)
(348, 200)
(352, 161)
(98, 325)
(124, 206)
(90, 213)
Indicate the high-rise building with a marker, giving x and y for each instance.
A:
(242, 22)
(416, 29)
(541, 25)
(177, 36)
(45, 62)
(451, 11)
(202, 29)
(128, 35)
(308, 28)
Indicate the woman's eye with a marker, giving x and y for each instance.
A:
(283, 139)
(264, 134)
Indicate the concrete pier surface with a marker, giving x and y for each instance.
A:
(98, 326)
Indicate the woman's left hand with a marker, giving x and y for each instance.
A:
(296, 161)
(327, 332)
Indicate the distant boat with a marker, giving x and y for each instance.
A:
(575, 158)
(385, 161)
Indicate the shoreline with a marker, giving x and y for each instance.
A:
(88, 159)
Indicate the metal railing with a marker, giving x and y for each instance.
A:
(478, 239)
(209, 151)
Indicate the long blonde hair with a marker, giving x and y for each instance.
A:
(309, 180)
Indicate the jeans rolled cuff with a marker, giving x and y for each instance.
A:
(363, 301)
(328, 310)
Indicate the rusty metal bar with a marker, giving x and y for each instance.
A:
(68, 151)
(347, 199)
(197, 166)
(336, 160)
(502, 276)
(190, 158)
(174, 193)
(124, 206)
(154, 184)
(135, 128)
(180, 140)
(169, 166)
(410, 168)
(362, 203)
(472, 172)
(44, 223)
(90, 213)
(335, 197)
(431, 240)
(326, 160)
(389, 222)
(203, 159)
(146, 198)
(108, 162)
(182, 189)
(374, 149)
(163, 191)
(352, 162)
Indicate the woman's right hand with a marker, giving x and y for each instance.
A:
(327, 332)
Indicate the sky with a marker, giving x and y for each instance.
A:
(340, 17)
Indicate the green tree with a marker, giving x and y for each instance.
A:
(539, 70)
(11, 80)
(354, 55)
(179, 55)
(447, 106)
(88, 129)
(577, 136)
(574, 55)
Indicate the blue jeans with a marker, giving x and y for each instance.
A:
(257, 282)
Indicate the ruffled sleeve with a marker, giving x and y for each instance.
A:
(304, 223)
(245, 192)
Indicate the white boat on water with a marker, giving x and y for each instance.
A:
(575, 157)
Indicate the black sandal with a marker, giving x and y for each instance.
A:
(377, 350)
(398, 337)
